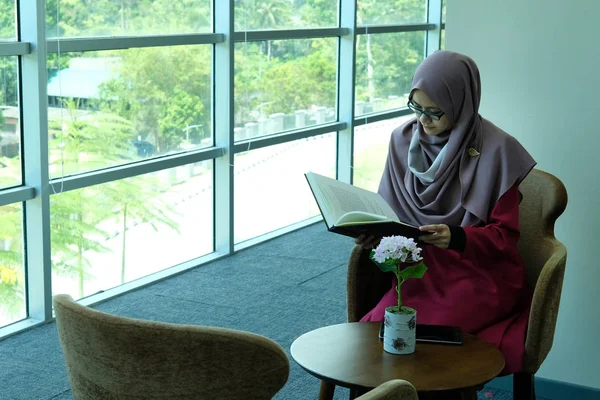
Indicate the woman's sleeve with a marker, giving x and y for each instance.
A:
(498, 238)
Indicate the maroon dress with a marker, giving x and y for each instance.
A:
(482, 289)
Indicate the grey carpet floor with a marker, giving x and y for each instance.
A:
(281, 289)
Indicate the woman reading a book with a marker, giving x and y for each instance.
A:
(456, 175)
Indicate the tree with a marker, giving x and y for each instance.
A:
(7, 20)
(319, 13)
(12, 287)
(78, 216)
(162, 91)
(136, 202)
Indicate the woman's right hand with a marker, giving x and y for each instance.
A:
(368, 242)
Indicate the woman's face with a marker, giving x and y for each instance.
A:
(430, 126)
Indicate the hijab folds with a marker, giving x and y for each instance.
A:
(459, 174)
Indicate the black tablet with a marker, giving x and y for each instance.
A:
(434, 334)
(439, 334)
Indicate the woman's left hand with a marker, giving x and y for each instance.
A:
(437, 235)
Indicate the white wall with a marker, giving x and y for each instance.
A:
(540, 67)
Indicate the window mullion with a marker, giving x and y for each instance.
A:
(223, 70)
(346, 76)
(35, 159)
(433, 37)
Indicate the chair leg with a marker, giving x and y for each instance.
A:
(523, 386)
(326, 391)
(357, 392)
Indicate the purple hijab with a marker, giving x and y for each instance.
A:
(481, 161)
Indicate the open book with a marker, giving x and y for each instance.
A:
(352, 211)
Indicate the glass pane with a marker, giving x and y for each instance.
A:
(114, 107)
(385, 65)
(371, 143)
(270, 188)
(12, 271)
(391, 12)
(285, 14)
(284, 84)
(127, 17)
(7, 20)
(443, 11)
(106, 235)
(443, 39)
(10, 136)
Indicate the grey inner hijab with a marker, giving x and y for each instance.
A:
(417, 164)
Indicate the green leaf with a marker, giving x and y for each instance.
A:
(388, 266)
(414, 271)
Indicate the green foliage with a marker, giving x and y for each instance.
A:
(7, 20)
(8, 82)
(162, 91)
(126, 17)
(320, 13)
(95, 142)
(413, 271)
(12, 287)
(262, 14)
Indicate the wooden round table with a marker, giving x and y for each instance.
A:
(351, 355)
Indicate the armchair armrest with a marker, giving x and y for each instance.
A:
(544, 309)
(366, 284)
(396, 389)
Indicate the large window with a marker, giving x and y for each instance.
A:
(284, 14)
(284, 85)
(12, 272)
(10, 135)
(142, 138)
(114, 107)
(126, 17)
(371, 144)
(389, 12)
(385, 65)
(270, 187)
(110, 234)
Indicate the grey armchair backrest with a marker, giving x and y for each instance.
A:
(112, 357)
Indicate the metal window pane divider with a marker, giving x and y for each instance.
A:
(34, 121)
(433, 36)
(346, 77)
(14, 48)
(223, 81)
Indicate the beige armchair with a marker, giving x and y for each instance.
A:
(544, 200)
(111, 357)
(396, 389)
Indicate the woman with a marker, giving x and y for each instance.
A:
(456, 175)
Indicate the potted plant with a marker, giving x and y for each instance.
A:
(401, 256)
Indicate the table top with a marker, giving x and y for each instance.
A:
(351, 355)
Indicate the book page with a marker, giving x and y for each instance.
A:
(359, 217)
(337, 198)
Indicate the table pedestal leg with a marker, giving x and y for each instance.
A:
(326, 391)
(469, 394)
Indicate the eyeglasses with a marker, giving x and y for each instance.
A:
(419, 111)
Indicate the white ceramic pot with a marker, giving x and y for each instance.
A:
(399, 335)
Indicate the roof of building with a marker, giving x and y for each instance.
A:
(83, 77)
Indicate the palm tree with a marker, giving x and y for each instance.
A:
(267, 14)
